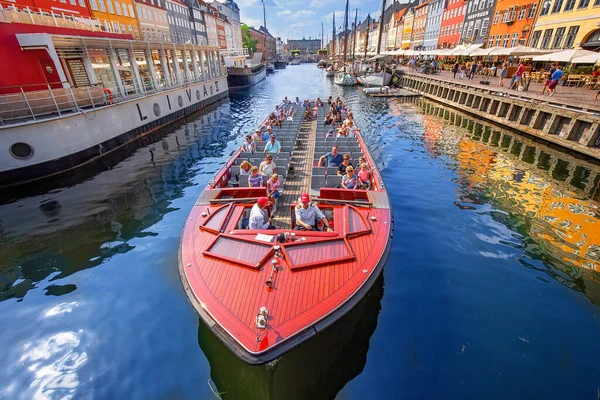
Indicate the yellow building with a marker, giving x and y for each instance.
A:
(118, 16)
(567, 24)
(407, 31)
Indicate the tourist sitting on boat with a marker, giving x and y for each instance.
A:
(307, 114)
(363, 160)
(308, 215)
(274, 120)
(245, 168)
(328, 119)
(255, 180)
(334, 159)
(341, 131)
(364, 177)
(330, 100)
(273, 145)
(290, 114)
(286, 101)
(259, 218)
(298, 102)
(248, 145)
(267, 167)
(267, 135)
(306, 103)
(345, 164)
(349, 180)
(273, 192)
(351, 129)
(257, 136)
(318, 102)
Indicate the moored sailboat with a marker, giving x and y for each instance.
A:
(262, 292)
(344, 78)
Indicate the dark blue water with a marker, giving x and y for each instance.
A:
(491, 290)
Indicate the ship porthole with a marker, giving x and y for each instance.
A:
(180, 101)
(156, 109)
(21, 150)
(198, 94)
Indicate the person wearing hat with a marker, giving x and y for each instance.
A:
(259, 218)
(308, 215)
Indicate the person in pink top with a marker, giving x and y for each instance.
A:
(517, 77)
(273, 192)
(364, 177)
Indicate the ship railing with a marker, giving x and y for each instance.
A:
(20, 104)
(234, 52)
(45, 17)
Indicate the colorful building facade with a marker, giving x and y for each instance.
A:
(153, 21)
(452, 24)
(566, 24)
(73, 7)
(407, 31)
(477, 21)
(512, 23)
(418, 31)
(118, 16)
(435, 10)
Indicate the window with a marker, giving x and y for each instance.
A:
(82, 3)
(125, 13)
(102, 6)
(496, 17)
(557, 6)
(118, 7)
(532, 11)
(93, 5)
(570, 40)
(509, 15)
(482, 4)
(558, 38)
(484, 27)
(123, 30)
(506, 39)
(545, 7)
(546, 38)
(476, 31)
(73, 2)
(569, 5)
(513, 41)
(110, 6)
(498, 40)
(583, 4)
(130, 30)
(535, 38)
(491, 41)
(522, 12)
(115, 27)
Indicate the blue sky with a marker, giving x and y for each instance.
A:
(295, 19)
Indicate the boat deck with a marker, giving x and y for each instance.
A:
(317, 277)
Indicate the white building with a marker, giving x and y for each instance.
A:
(231, 10)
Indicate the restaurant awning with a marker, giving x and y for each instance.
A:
(589, 59)
(564, 56)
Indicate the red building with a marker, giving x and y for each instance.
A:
(74, 7)
(452, 23)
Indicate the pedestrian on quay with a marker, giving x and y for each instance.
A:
(548, 78)
(463, 71)
(472, 70)
(556, 77)
(455, 69)
(516, 81)
(503, 73)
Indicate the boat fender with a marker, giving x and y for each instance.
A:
(110, 96)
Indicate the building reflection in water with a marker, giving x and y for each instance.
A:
(327, 362)
(551, 197)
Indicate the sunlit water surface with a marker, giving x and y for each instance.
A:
(492, 287)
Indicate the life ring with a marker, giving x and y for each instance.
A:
(110, 97)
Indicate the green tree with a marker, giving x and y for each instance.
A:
(247, 40)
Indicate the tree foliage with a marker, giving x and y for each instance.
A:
(247, 40)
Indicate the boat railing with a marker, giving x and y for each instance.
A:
(25, 103)
(47, 17)
(234, 52)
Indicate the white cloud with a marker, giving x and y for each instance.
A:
(321, 3)
(304, 13)
(284, 13)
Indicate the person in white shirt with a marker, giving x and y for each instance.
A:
(308, 215)
(259, 218)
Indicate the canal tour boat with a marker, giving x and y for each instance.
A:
(263, 292)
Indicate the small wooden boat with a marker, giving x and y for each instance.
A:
(270, 68)
(279, 64)
(263, 292)
(382, 78)
(330, 72)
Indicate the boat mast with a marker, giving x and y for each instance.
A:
(265, 24)
(333, 41)
(346, 33)
(380, 27)
(322, 35)
(354, 33)
(368, 29)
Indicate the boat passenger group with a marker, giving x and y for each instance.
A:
(307, 214)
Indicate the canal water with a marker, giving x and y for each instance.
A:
(491, 290)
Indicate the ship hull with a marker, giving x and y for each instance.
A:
(68, 142)
(280, 64)
(241, 79)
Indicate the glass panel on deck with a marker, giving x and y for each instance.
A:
(217, 219)
(355, 222)
(246, 252)
(317, 252)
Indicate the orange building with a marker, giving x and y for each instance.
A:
(512, 22)
(118, 16)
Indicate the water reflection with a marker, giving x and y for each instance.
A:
(318, 369)
(55, 234)
(550, 197)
